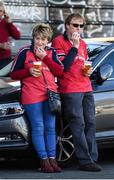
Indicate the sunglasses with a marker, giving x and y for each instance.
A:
(78, 25)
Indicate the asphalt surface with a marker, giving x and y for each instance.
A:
(26, 169)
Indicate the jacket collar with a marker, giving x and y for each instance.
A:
(65, 35)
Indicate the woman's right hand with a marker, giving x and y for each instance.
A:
(35, 72)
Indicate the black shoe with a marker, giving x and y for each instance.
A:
(90, 167)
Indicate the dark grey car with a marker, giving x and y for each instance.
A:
(14, 125)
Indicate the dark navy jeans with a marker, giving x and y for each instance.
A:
(43, 129)
(79, 110)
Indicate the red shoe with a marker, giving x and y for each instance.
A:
(54, 165)
(46, 167)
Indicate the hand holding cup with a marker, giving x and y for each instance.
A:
(36, 69)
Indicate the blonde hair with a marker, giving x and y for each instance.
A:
(42, 30)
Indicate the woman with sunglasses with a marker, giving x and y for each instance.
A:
(76, 92)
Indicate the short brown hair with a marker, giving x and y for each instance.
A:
(71, 16)
(43, 30)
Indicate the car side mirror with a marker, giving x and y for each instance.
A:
(103, 73)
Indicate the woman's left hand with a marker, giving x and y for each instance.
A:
(40, 53)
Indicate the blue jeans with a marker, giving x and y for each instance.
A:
(43, 129)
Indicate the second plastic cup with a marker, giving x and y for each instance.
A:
(87, 66)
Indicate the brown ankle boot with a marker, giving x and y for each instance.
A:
(54, 165)
(46, 167)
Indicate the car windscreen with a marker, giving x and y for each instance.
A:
(7, 85)
(3, 84)
(94, 51)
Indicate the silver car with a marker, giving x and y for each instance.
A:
(15, 129)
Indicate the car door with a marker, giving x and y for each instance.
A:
(104, 96)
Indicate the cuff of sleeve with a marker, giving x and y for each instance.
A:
(74, 48)
(45, 58)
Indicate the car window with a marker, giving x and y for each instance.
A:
(93, 51)
(110, 59)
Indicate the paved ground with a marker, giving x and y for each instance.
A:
(28, 170)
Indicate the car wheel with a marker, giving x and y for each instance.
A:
(65, 146)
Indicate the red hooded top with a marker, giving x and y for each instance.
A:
(7, 30)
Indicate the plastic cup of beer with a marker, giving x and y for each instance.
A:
(87, 66)
(38, 65)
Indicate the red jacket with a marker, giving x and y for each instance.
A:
(7, 30)
(72, 79)
(34, 88)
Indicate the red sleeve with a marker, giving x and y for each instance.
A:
(19, 74)
(55, 68)
(14, 32)
(84, 46)
(56, 43)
